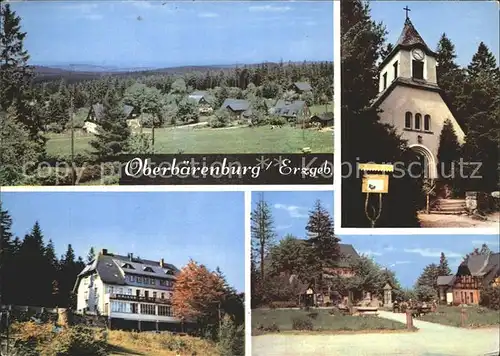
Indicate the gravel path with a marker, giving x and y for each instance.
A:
(430, 340)
(438, 220)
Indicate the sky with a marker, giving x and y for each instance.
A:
(149, 34)
(466, 23)
(407, 255)
(208, 227)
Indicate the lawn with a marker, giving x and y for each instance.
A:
(282, 319)
(321, 108)
(476, 316)
(205, 140)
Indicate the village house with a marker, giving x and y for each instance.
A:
(133, 293)
(323, 120)
(411, 100)
(291, 110)
(96, 114)
(202, 99)
(342, 268)
(239, 108)
(474, 273)
(301, 87)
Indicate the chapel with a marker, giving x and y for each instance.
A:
(410, 98)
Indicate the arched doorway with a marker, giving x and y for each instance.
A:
(426, 162)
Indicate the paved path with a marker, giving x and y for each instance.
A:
(440, 220)
(430, 340)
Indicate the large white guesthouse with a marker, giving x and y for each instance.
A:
(133, 293)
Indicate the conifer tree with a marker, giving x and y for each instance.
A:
(113, 132)
(449, 150)
(364, 138)
(321, 235)
(15, 74)
(91, 255)
(450, 76)
(481, 101)
(263, 234)
(443, 268)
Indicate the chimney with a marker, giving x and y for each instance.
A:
(162, 263)
(104, 251)
(131, 256)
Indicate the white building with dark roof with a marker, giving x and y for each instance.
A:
(133, 293)
(411, 100)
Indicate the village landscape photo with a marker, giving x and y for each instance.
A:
(316, 293)
(159, 274)
(85, 82)
(420, 94)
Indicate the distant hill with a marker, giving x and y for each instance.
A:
(78, 72)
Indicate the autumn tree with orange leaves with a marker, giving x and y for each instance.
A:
(198, 296)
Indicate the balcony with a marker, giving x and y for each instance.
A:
(143, 299)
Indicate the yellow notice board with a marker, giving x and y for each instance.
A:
(375, 183)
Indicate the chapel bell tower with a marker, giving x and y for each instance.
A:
(410, 60)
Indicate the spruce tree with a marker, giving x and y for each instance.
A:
(481, 102)
(91, 255)
(450, 76)
(321, 236)
(364, 138)
(15, 74)
(449, 151)
(6, 254)
(113, 133)
(443, 268)
(263, 234)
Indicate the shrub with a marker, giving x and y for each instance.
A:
(222, 118)
(55, 127)
(231, 338)
(41, 339)
(312, 315)
(299, 323)
(283, 304)
(490, 298)
(77, 341)
(277, 121)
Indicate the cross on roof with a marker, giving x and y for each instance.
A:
(407, 9)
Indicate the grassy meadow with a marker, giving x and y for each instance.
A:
(279, 320)
(190, 140)
(475, 316)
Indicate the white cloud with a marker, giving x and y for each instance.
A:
(283, 227)
(489, 243)
(93, 17)
(389, 248)
(142, 4)
(371, 253)
(293, 210)
(85, 11)
(208, 15)
(269, 8)
(432, 252)
(402, 262)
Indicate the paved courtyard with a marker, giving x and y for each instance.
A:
(430, 340)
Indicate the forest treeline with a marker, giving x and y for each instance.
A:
(30, 271)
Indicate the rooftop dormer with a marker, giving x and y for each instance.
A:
(411, 59)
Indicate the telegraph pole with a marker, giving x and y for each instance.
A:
(71, 118)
